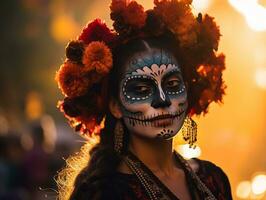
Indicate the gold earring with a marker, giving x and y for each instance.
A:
(118, 136)
(189, 131)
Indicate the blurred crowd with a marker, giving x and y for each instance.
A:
(30, 161)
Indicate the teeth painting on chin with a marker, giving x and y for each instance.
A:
(156, 120)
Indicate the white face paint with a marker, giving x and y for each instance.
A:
(153, 95)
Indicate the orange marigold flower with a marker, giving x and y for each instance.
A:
(71, 80)
(134, 15)
(97, 56)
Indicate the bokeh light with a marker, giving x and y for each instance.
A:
(187, 152)
(260, 77)
(254, 13)
(34, 107)
(259, 184)
(64, 28)
(26, 142)
(200, 5)
(243, 190)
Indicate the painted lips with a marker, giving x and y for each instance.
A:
(158, 121)
(164, 120)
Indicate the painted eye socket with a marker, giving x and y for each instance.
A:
(172, 84)
(142, 89)
(138, 88)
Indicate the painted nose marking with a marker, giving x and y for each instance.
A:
(162, 95)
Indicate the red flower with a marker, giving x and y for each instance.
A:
(97, 31)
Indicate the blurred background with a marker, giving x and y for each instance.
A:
(35, 137)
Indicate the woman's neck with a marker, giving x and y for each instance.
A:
(156, 154)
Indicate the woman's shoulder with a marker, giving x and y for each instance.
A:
(113, 187)
(213, 177)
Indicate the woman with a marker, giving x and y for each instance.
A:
(135, 88)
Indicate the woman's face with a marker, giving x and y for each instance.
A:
(153, 95)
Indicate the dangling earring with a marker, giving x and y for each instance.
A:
(189, 131)
(118, 136)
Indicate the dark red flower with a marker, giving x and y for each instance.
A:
(97, 30)
(134, 15)
(209, 32)
(74, 50)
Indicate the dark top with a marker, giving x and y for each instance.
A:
(127, 186)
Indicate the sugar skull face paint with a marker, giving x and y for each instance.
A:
(153, 95)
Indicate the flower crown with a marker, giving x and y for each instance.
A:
(89, 59)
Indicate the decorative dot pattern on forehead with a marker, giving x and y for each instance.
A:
(156, 70)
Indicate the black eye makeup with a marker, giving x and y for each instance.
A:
(172, 83)
(138, 87)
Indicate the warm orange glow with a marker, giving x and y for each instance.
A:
(254, 13)
(231, 132)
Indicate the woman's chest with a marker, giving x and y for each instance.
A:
(177, 184)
